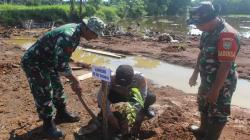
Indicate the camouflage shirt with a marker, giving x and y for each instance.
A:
(123, 93)
(220, 45)
(53, 50)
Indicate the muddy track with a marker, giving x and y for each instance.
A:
(175, 110)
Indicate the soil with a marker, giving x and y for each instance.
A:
(175, 110)
(183, 53)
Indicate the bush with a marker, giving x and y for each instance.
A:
(15, 14)
(107, 13)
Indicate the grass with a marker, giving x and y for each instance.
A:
(16, 14)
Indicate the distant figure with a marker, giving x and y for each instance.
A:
(48, 58)
(219, 46)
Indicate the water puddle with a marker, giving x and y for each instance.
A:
(23, 42)
(162, 73)
(159, 72)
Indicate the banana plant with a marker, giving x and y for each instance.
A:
(129, 110)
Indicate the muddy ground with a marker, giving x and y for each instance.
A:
(175, 109)
(183, 53)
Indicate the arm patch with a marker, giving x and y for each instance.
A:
(227, 47)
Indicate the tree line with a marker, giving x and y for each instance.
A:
(232, 6)
(112, 10)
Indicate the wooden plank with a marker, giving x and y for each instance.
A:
(77, 68)
(103, 53)
(84, 76)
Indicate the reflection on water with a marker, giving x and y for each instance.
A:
(173, 24)
(90, 58)
(23, 42)
(142, 62)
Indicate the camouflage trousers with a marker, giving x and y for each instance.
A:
(46, 89)
(219, 112)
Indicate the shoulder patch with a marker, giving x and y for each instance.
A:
(227, 47)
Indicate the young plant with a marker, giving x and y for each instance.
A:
(129, 110)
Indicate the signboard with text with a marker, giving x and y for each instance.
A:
(101, 73)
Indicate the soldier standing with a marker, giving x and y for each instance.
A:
(219, 45)
(48, 58)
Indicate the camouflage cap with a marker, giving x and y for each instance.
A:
(203, 13)
(95, 24)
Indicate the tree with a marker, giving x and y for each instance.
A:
(157, 7)
(129, 8)
(95, 3)
(80, 8)
(178, 7)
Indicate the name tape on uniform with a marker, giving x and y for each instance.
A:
(101, 73)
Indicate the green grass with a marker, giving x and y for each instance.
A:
(15, 14)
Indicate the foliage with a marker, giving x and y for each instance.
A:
(95, 3)
(129, 8)
(107, 13)
(32, 2)
(137, 96)
(157, 7)
(178, 7)
(16, 14)
(129, 110)
(112, 10)
(231, 6)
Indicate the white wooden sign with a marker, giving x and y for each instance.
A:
(101, 73)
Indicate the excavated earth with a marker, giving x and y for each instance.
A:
(175, 110)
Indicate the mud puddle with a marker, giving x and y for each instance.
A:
(161, 73)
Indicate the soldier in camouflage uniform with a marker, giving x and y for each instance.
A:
(219, 46)
(48, 58)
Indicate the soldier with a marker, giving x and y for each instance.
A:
(48, 58)
(120, 91)
(219, 45)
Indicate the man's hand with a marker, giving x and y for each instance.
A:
(137, 125)
(193, 79)
(76, 87)
(75, 84)
(113, 121)
(212, 97)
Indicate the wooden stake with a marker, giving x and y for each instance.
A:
(104, 109)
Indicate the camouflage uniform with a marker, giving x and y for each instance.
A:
(212, 54)
(44, 61)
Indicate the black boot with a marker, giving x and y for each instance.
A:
(200, 132)
(49, 128)
(214, 131)
(63, 116)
